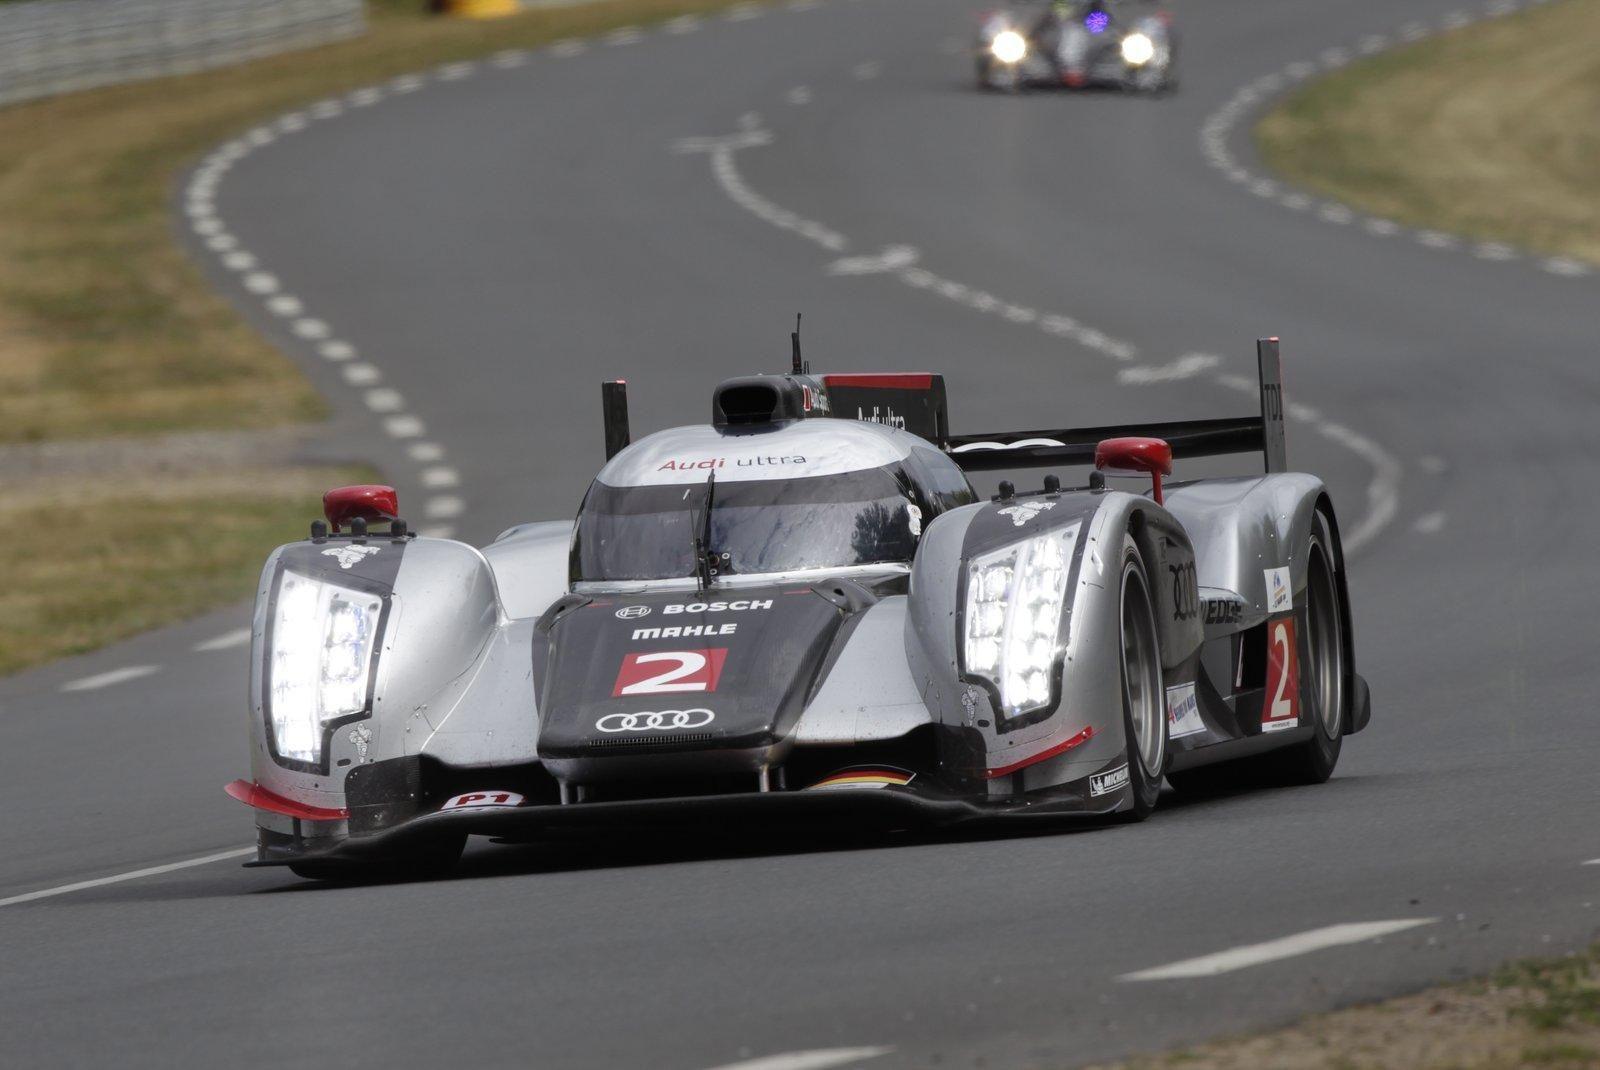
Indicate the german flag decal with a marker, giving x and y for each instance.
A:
(865, 778)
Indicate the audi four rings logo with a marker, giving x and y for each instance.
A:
(633, 612)
(661, 720)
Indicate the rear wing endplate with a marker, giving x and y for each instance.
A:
(1188, 438)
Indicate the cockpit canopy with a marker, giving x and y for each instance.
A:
(802, 496)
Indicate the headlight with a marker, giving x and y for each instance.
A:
(319, 662)
(1137, 49)
(1008, 46)
(1013, 616)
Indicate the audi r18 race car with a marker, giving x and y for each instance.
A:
(1074, 43)
(799, 611)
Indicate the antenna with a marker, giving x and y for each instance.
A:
(799, 366)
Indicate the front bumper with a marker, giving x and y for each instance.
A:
(876, 809)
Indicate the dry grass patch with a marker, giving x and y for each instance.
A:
(140, 553)
(1536, 1015)
(1491, 131)
(105, 326)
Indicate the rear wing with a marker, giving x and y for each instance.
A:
(1188, 438)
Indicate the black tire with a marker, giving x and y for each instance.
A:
(1326, 667)
(1143, 686)
(431, 862)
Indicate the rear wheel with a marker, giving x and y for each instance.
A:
(1144, 713)
(1326, 671)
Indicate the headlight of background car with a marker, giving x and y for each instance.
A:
(1013, 615)
(319, 668)
(1137, 49)
(1008, 46)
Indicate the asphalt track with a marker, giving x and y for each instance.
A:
(492, 242)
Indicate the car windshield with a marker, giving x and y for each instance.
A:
(780, 525)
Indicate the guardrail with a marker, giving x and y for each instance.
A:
(58, 46)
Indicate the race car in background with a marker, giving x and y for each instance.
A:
(1071, 43)
(804, 611)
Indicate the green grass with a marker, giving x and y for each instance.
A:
(144, 555)
(1491, 131)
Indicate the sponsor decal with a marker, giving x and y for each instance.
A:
(663, 672)
(350, 556)
(814, 399)
(1280, 706)
(1280, 593)
(681, 631)
(1224, 611)
(711, 463)
(914, 517)
(659, 721)
(472, 800)
(1023, 512)
(737, 606)
(1185, 595)
(633, 612)
(969, 703)
(361, 736)
(881, 414)
(1106, 783)
(864, 778)
(1183, 712)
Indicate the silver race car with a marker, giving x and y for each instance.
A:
(1078, 43)
(798, 611)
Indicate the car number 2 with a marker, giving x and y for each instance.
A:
(662, 672)
(1281, 706)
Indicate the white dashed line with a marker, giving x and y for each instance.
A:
(628, 35)
(863, 72)
(407, 83)
(1566, 266)
(566, 49)
(261, 283)
(1275, 950)
(149, 871)
(1185, 367)
(509, 59)
(799, 95)
(440, 477)
(108, 679)
(1429, 524)
(682, 24)
(364, 98)
(403, 427)
(285, 305)
(384, 399)
(361, 374)
(425, 451)
(816, 1059)
(1383, 492)
(310, 329)
(225, 641)
(742, 12)
(444, 507)
(454, 72)
(336, 350)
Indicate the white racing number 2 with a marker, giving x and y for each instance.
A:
(663, 672)
(1281, 708)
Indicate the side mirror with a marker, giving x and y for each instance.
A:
(1151, 455)
(366, 501)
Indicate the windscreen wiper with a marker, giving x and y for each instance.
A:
(702, 534)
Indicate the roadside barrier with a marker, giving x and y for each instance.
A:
(59, 46)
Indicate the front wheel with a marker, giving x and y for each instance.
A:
(1144, 712)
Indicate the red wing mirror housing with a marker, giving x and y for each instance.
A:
(1153, 455)
(366, 501)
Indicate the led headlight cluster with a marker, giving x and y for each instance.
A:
(1009, 46)
(1013, 614)
(1138, 49)
(319, 669)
